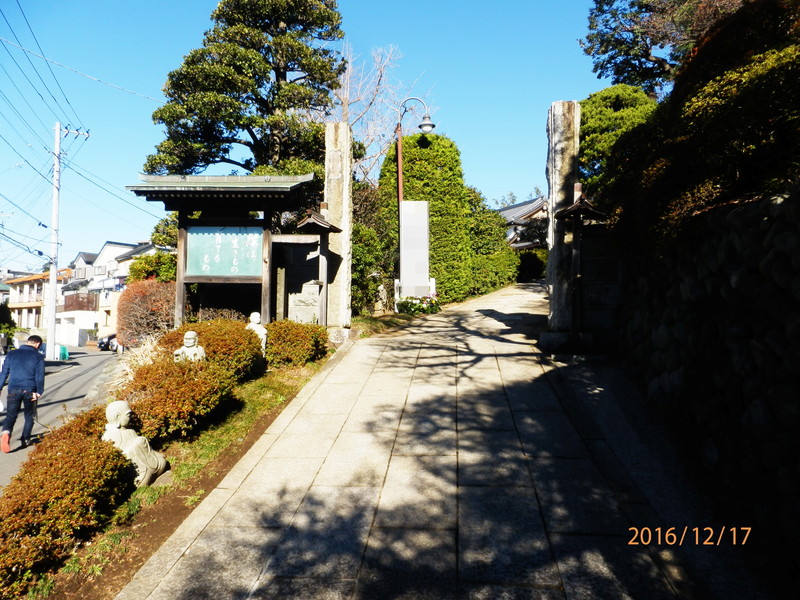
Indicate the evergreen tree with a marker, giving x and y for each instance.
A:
(239, 98)
(432, 172)
(605, 117)
(7, 323)
(643, 42)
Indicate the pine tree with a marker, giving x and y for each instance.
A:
(239, 99)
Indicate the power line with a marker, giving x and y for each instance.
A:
(22, 246)
(10, 201)
(125, 200)
(24, 16)
(21, 70)
(14, 150)
(58, 64)
(35, 113)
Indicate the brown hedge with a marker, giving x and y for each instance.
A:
(228, 343)
(65, 491)
(169, 398)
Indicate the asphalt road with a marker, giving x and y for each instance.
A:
(70, 387)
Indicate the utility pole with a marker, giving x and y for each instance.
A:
(51, 352)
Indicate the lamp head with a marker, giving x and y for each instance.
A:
(426, 125)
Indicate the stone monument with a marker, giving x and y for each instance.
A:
(190, 350)
(149, 463)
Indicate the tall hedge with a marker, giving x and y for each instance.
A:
(493, 263)
(432, 172)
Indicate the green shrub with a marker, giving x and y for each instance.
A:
(532, 264)
(66, 491)
(367, 274)
(290, 343)
(161, 266)
(728, 131)
(227, 343)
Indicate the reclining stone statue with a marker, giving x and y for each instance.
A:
(149, 463)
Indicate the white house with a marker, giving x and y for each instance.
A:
(91, 296)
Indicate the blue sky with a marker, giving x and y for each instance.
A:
(489, 69)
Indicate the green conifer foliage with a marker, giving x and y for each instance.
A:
(432, 172)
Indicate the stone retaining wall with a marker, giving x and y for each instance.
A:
(713, 326)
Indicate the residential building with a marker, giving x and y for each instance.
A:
(27, 297)
(91, 296)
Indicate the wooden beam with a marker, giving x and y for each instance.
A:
(180, 278)
(266, 276)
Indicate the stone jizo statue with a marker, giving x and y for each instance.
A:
(190, 350)
(149, 463)
(260, 330)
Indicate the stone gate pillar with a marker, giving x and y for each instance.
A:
(338, 210)
(563, 131)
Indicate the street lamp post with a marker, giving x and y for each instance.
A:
(426, 126)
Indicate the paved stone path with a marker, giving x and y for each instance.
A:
(441, 462)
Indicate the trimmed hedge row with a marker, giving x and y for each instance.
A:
(72, 482)
(65, 492)
(290, 343)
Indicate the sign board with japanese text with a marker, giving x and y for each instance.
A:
(224, 251)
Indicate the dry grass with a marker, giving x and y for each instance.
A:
(133, 359)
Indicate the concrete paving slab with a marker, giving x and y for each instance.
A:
(425, 432)
(575, 498)
(474, 414)
(420, 492)
(491, 458)
(333, 399)
(207, 571)
(308, 436)
(388, 384)
(286, 588)
(373, 413)
(409, 564)
(321, 552)
(269, 509)
(549, 434)
(502, 538)
(468, 507)
(606, 568)
(533, 395)
(432, 392)
(242, 469)
(505, 592)
(357, 458)
(276, 473)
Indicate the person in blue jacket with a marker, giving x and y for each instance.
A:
(24, 370)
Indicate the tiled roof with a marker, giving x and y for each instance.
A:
(522, 210)
(62, 274)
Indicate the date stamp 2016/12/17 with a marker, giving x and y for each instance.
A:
(679, 536)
